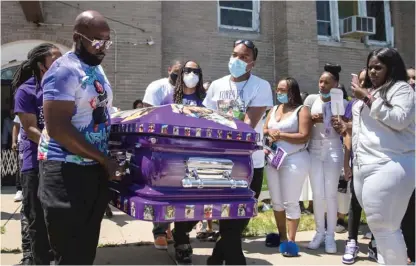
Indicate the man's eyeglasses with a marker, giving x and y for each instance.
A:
(247, 43)
(188, 70)
(98, 44)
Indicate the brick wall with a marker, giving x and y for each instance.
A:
(186, 30)
(135, 66)
(190, 32)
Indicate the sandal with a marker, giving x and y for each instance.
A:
(204, 235)
(289, 249)
(214, 237)
(272, 240)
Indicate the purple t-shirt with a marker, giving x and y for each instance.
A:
(29, 100)
(187, 99)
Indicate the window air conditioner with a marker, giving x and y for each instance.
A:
(357, 26)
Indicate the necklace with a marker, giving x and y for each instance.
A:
(238, 91)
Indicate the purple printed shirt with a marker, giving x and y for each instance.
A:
(29, 99)
(187, 99)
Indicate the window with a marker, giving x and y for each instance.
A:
(329, 13)
(239, 15)
(323, 18)
(376, 9)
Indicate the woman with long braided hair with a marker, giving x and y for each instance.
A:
(29, 107)
(189, 88)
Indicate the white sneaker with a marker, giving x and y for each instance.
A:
(316, 241)
(19, 196)
(351, 252)
(330, 245)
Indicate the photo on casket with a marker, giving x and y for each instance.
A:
(248, 137)
(136, 114)
(208, 211)
(229, 135)
(141, 128)
(176, 131)
(190, 211)
(169, 212)
(198, 132)
(219, 134)
(238, 136)
(241, 210)
(202, 112)
(255, 209)
(187, 131)
(164, 129)
(209, 133)
(151, 128)
(126, 205)
(132, 209)
(148, 213)
(225, 210)
(118, 202)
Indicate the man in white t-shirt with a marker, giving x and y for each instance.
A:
(157, 91)
(246, 97)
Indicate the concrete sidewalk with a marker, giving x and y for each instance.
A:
(131, 243)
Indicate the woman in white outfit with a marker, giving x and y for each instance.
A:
(383, 141)
(287, 127)
(327, 157)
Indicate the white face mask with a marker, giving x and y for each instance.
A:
(190, 80)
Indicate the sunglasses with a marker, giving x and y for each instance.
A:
(247, 43)
(98, 44)
(188, 70)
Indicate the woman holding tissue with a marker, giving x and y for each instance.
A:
(383, 142)
(327, 157)
(287, 128)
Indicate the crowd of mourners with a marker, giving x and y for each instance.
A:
(344, 164)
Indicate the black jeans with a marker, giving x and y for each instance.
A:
(229, 245)
(35, 242)
(354, 215)
(408, 228)
(74, 199)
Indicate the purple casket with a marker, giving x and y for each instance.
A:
(185, 163)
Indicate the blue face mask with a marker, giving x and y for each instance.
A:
(282, 98)
(237, 67)
(325, 95)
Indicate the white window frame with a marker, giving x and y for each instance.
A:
(362, 11)
(255, 15)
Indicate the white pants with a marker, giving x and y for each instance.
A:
(326, 164)
(384, 190)
(344, 200)
(285, 184)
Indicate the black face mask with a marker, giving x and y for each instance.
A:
(87, 57)
(173, 77)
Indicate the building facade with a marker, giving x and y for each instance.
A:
(294, 38)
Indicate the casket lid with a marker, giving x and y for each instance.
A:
(182, 120)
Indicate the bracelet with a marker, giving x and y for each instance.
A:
(367, 99)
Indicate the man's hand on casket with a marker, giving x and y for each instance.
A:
(114, 169)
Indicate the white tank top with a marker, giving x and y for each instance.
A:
(288, 124)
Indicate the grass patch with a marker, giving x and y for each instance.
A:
(3, 229)
(110, 245)
(113, 245)
(13, 251)
(264, 223)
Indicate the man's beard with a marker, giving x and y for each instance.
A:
(87, 57)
